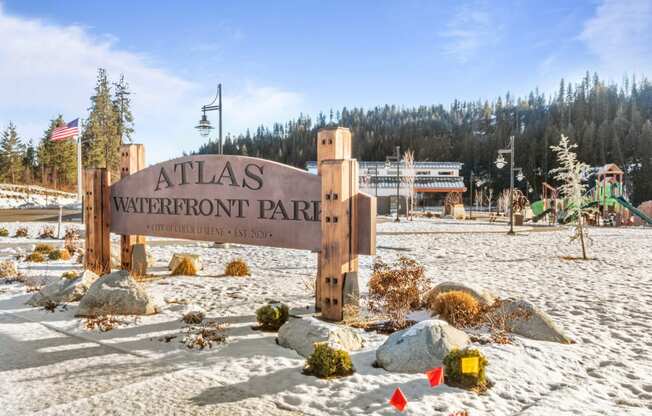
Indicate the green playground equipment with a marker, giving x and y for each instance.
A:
(622, 201)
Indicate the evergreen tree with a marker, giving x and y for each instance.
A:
(101, 135)
(12, 151)
(57, 160)
(29, 163)
(122, 106)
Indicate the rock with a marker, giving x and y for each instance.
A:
(8, 269)
(420, 347)
(177, 257)
(139, 260)
(116, 293)
(64, 290)
(483, 296)
(300, 334)
(525, 319)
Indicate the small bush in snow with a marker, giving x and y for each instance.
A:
(453, 375)
(328, 362)
(456, 307)
(36, 257)
(193, 317)
(396, 290)
(186, 267)
(21, 232)
(205, 335)
(4, 232)
(272, 316)
(47, 231)
(70, 275)
(8, 269)
(59, 255)
(43, 248)
(71, 239)
(237, 267)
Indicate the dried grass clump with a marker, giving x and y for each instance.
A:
(396, 290)
(104, 323)
(186, 267)
(237, 267)
(70, 275)
(8, 270)
(205, 335)
(71, 239)
(193, 317)
(328, 362)
(47, 231)
(59, 255)
(470, 381)
(21, 232)
(272, 316)
(43, 248)
(457, 308)
(4, 232)
(36, 257)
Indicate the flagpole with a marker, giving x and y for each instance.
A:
(79, 163)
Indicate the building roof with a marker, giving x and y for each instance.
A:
(421, 183)
(417, 165)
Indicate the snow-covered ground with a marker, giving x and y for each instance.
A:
(50, 364)
(32, 196)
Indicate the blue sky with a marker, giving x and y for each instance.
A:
(278, 59)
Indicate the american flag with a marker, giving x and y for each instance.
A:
(65, 132)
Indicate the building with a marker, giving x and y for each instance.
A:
(434, 182)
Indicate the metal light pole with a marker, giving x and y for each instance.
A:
(471, 186)
(397, 158)
(204, 126)
(500, 163)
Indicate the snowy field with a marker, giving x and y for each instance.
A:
(50, 364)
(32, 196)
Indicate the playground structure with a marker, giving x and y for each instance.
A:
(606, 196)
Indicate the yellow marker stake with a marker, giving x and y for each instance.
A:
(470, 365)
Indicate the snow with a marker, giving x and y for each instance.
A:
(32, 196)
(50, 364)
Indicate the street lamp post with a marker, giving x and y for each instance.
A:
(397, 158)
(204, 126)
(500, 163)
(471, 186)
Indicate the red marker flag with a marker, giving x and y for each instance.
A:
(435, 376)
(398, 400)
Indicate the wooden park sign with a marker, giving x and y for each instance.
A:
(243, 200)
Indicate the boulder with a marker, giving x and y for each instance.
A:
(64, 290)
(483, 296)
(300, 334)
(177, 257)
(116, 293)
(138, 260)
(419, 347)
(525, 319)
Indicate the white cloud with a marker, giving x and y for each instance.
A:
(47, 69)
(471, 29)
(620, 36)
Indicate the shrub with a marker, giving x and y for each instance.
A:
(186, 267)
(4, 232)
(205, 335)
(237, 267)
(397, 290)
(59, 255)
(193, 317)
(21, 232)
(470, 381)
(46, 232)
(36, 257)
(429, 214)
(8, 269)
(70, 275)
(456, 307)
(326, 362)
(43, 248)
(71, 239)
(272, 316)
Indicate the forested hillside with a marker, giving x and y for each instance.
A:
(609, 122)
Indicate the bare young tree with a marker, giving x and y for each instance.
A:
(410, 177)
(570, 172)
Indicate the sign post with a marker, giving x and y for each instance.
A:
(97, 220)
(132, 159)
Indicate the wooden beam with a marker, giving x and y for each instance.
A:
(132, 159)
(97, 220)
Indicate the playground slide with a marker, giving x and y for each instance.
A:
(622, 201)
(565, 219)
(536, 218)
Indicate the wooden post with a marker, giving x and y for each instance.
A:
(96, 217)
(132, 159)
(338, 258)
